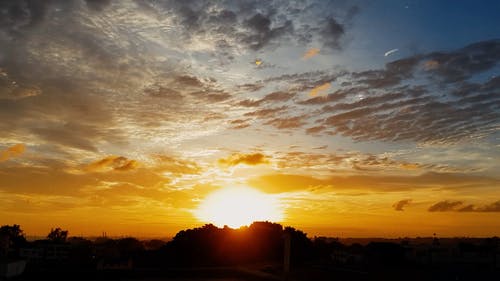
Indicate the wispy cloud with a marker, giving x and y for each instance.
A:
(390, 52)
(459, 206)
(310, 53)
(12, 151)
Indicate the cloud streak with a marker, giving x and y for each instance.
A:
(11, 152)
(112, 163)
(400, 205)
(459, 206)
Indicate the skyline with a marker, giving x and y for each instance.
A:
(358, 119)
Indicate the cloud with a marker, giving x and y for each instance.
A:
(278, 97)
(248, 159)
(459, 206)
(273, 97)
(265, 112)
(493, 207)
(461, 64)
(12, 151)
(320, 147)
(310, 53)
(335, 97)
(155, 175)
(489, 208)
(230, 28)
(444, 206)
(318, 89)
(332, 32)
(315, 130)
(175, 165)
(239, 123)
(411, 166)
(97, 5)
(112, 163)
(390, 52)
(287, 123)
(400, 205)
(22, 14)
(278, 183)
(398, 103)
(349, 160)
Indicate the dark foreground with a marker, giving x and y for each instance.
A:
(257, 252)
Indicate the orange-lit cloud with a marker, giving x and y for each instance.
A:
(410, 166)
(431, 64)
(248, 159)
(116, 163)
(279, 183)
(318, 89)
(12, 151)
(310, 53)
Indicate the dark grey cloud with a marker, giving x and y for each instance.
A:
(390, 105)
(462, 64)
(97, 5)
(444, 206)
(459, 206)
(400, 205)
(332, 32)
(433, 98)
(20, 14)
(255, 25)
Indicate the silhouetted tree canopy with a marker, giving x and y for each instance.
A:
(13, 235)
(57, 235)
(210, 245)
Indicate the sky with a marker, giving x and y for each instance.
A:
(361, 118)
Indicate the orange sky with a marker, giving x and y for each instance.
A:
(124, 116)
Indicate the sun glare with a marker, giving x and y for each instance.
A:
(238, 206)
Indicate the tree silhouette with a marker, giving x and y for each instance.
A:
(210, 245)
(11, 237)
(57, 235)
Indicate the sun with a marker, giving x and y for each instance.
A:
(238, 206)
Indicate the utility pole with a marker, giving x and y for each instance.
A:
(286, 255)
